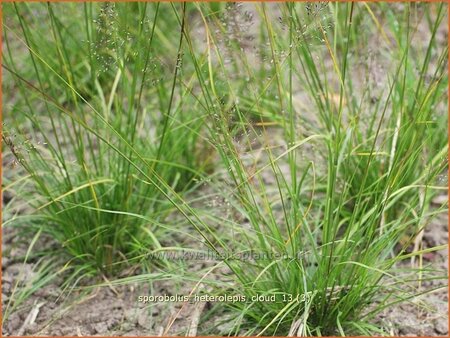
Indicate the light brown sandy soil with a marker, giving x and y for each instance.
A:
(116, 311)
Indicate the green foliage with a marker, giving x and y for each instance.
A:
(329, 149)
(328, 234)
(90, 112)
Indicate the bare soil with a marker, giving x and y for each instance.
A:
(117, 311)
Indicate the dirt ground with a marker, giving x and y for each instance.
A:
(425, 315)
(117, 311)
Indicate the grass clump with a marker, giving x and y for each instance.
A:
(329, 150)
(327, 233)
(91, 113)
